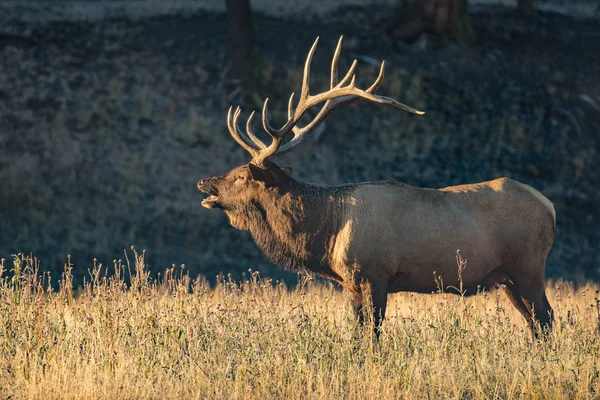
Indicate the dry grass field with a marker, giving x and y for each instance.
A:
(177, 338)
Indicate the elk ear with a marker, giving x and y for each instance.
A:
(260, 174)
(287, 170)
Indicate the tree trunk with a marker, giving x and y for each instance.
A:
(441, 17)
(526, 7)
(444, 16)
(243, 41)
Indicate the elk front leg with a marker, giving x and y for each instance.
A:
(374, 300)
(357, 308)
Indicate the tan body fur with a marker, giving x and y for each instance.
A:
(409, 232)
(396, 237)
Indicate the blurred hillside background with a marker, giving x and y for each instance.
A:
(111, 111)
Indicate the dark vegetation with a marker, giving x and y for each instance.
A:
(107, 126)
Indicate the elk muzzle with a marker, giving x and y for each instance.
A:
(209, 186)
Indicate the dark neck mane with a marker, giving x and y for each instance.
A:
(295, 226)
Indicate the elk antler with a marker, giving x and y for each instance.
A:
(341, 92)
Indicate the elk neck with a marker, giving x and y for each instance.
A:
(296, 225)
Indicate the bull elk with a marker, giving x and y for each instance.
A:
(376, 238)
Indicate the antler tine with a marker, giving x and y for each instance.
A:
(348, 75)
(248, 141)
(373, 88)
(251, 134)
(392, 102)
(290, 103)
(234, 131)
(306, 77)
(334, 64)
(267, 126)
(352, 84)
(229, 119)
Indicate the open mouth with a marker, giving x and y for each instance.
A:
(211, 201)
(207, 186)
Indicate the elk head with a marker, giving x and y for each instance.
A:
(236, 188)
(243, 185)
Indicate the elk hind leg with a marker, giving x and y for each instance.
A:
(542, 313)
(514, 295)
(533, 295)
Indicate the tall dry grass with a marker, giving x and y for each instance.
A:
(179, 338)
